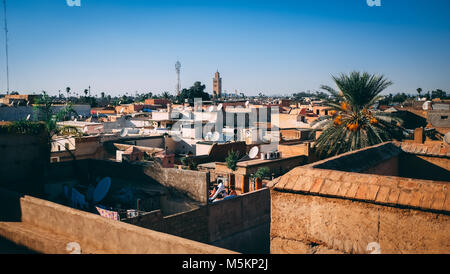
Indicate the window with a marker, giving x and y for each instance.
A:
(444, 117)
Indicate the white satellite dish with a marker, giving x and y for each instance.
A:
(101, 190)
(28, 117)
(447, 138)
(124, 132)
(219, 107)
(122, 110)
(253, 152)
(211, 109)
(215, 137)
(247, 103)
(426, 105)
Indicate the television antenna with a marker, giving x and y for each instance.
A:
(219, 107)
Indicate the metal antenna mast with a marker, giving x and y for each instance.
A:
(6, 46)
(178, 69)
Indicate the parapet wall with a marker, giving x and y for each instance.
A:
(308, 224)
(51, 226)
(192, 183)
(328, 211)
(240, 224)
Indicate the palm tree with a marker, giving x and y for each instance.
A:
(351, 124)
(165, 95)
(419, 90)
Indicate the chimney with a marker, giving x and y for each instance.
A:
(419, 136)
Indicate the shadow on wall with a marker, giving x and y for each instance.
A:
(413, 166)
(10, 206)
(8, 247)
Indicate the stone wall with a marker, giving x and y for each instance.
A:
(192, 183)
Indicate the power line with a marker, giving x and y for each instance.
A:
(6, 47)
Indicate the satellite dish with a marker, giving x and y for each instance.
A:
(219, 107)
(211, 109)
(253, 152)
(28, 117)
(101, 190)
(209, 136)
(122, 110)
(247, 103)
(215, 137)
(426, 105)
(447, 138)
(220, 188)
(124, 132)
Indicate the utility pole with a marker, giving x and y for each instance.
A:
(6, 47)
(178, 70)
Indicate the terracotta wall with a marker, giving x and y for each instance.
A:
(326, 211)
(389, 167)
(312, 224)
(47, 228)
(241, 224)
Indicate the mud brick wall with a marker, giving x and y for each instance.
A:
(328, 211)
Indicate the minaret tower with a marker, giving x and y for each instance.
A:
(217, 85)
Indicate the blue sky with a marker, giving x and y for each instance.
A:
(274, 47)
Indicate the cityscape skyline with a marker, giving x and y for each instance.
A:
(257, 46)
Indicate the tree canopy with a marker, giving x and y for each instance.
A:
(352, 124)
(196, 91)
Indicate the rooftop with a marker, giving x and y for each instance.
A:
(347, 176)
